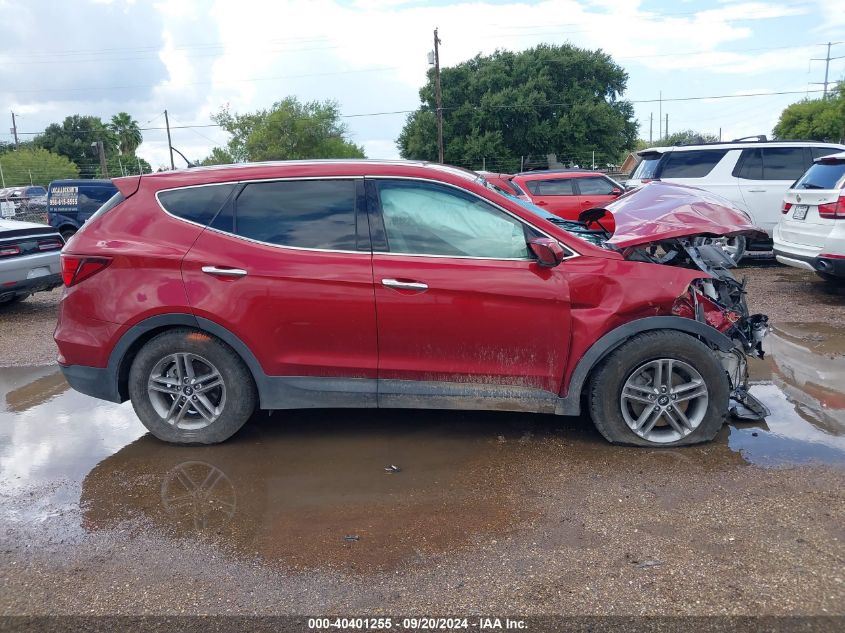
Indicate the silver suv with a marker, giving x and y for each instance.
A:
(754, 175)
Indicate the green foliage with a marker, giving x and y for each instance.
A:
(218, 156)
(76, 139)
(686, 137)
(128, 133)
(549, 99)
(124, 165)
(814, 119)
(39, 164)
(289, 130)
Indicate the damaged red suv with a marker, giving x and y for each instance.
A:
(206, 294)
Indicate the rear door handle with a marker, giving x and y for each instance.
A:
(224, 272)
(404, 285)
(757, 190)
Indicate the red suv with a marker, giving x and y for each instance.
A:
(205, 294)
(566, 193)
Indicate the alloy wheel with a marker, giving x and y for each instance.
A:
(187, 391)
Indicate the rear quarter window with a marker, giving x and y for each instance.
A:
(647, 167)
(692, 164)
(196, 204)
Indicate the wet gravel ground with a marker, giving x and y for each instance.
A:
(490, 513)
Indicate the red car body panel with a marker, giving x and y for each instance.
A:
(660, 211)
(313, 313)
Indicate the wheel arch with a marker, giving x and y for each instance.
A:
(570, 404)
(121, 357)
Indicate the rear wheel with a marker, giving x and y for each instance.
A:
(831, 279)
(190, 388)
(67, 233)
(663, 388)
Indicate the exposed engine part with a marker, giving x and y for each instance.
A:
(742, 406)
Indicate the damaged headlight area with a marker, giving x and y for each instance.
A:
(719, 301)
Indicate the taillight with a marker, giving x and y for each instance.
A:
(833, 210)
(786, 207)
(75, 269)
(53, 244)
(9, 251)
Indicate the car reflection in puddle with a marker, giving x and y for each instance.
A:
(315, 488)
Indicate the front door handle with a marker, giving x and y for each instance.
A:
(404, 285)
(757, 191)
(223, 272)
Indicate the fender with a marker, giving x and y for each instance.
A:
(117, 372)
(570, 404)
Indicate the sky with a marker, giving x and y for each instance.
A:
(193, 57)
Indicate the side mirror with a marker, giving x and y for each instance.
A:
(616, 192)
(549, 253)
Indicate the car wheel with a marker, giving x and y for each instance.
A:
(67, 234)
(831, 279)
(188, 387)
(13, 300)
(734, 246)
(663, 388)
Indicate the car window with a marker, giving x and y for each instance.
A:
(783, 163)
(299, 213)
(558, 187)
(516, 187)
(431, 219)
(692, 164)
(827, 175)
(196, 204)
(750, 165)
(595, 186)
(647, 167)
(821, 152)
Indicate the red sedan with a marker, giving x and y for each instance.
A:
(567, 193)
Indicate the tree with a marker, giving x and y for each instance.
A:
(127, 131)
(814, 119)
(288, 130)
(687, 137)
(558, 100)
(36, 166)
(76, 139)
(218, 156)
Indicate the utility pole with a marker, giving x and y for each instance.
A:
(826, 61)
(169, 146)
(650, 126)
(15, 130)
(101, 150)
(667, 126)
(439, 97)
(660, 112)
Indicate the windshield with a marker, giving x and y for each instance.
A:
(823, 176)
(647, 168)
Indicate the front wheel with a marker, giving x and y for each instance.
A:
(663, 388)
(190, 388)
(734, 247)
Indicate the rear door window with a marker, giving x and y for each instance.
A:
(195, 204)
(595, 186)
(317, 214)
(821, 152)
(750, 165)
(692, 164)
(556, 187)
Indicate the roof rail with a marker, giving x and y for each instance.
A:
(759, 137)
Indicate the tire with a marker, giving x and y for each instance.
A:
(638, 358)
(831, 279)
(199, 413)
(67, 234)
(734, 247)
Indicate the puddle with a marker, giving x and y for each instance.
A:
(309, 488)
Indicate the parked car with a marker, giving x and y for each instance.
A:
(201, 295)
(566, 193)
(29, 259)
(811, 231)
(753, 175)
(71, 202)
(25, 199)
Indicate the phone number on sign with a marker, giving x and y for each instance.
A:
(374, 624)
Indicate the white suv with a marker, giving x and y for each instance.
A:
(811, 231)
(753, 175)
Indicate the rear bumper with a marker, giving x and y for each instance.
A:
(97, 382)
(11, 289)
(827, 265)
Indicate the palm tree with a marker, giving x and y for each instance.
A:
(128, 133)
